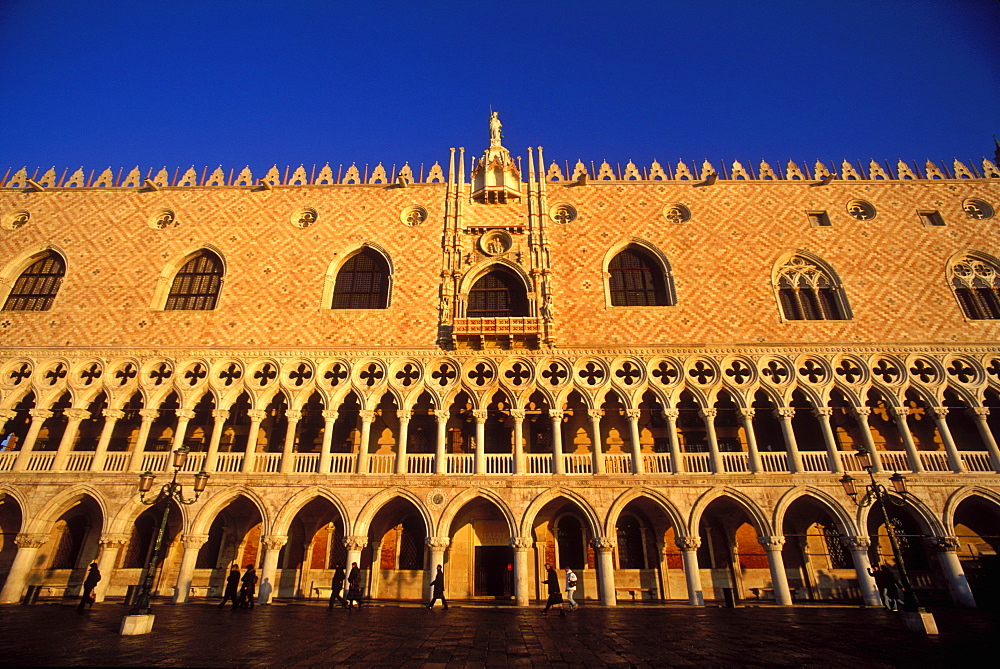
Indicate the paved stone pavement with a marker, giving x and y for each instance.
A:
(406, 635)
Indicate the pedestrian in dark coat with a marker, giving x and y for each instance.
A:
(337, 586)
(555, 591)
(89, 583)
(232, 592)
(249, 585)
(437, 589)
(354, 586)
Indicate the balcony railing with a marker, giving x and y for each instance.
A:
(697, 463)
(539, 463)
(618, 463)
(381, 463)
(496, 326)
(229, 462)
(656, 463)
(579, 463)
(420, 463)
(7, 460)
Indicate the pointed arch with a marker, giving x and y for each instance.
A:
(286, 514)
(361, 279)
(31, 282)
(362, 523)
(639, 275)
(41, 522)
(203, 520)
(974, 278)
(498, 290)
(808, 289)
(658, 499)
(191, 281)
(455, 505)
(537, 504)
(752, 509)
(827, 501)
(959, 496)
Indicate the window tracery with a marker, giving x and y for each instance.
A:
(809, 292)
(976, 282)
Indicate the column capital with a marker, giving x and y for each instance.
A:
(823, 412)
(293, 414)
(940, 413)
(355, 543)
(184, 414)
(367, 415)
(7, 414)
(688, 543)
(979, 413)
(26, 540)
(556, 414)
(708, 414)
(195, 540)
(439, 543)
(521, 543)
(442, 415)
(595, 413)
(480, 415)
(40, 413)
(330, 415)
(149, 415)
(784, 413)
(861, 412)
(517, 414)
(633, 414)
(272, 542)
(856, 543)
(404, 415)
(671, 414)
(77, 414)
(116, 414)
(256, 414)
(945, 544)
(772, 543)
(747, 412)
(602, 544)
(114, 540)
(220, 413)
(900, 413)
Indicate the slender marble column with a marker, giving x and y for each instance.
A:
(954, 459)
(250, 453)
(979, 414)
(404, 430)
(832, 456)
(75, 417)
(440, 465)
(269, 567)
(5, 415)
(861, 415)
(605, 570)
(184, 417)
(325, 453)
(517, 415)
(746, 415)
(858, 546)
(288, 447)
(185, 574)
(480, 416)
(779, 579)
(522, 586)
(20, 568)
(437, 547)
(676, 461)
(367, 418)
(595, 432)
(958, 584)
(111, 544)
(899, 415)
(638, 466)
(219, 418)
(784, 416)
(715, 458)
(354, 546)
(558, 462)
(38, 418)
(692, 572)
(148, 416)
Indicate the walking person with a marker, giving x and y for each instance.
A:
(887, 586)
(555, 591)
(232, 592)
(437, 589)
(249, 585)
(336, 586)
(89, 583)
(354, 586)
(571, 583)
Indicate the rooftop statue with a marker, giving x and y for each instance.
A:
(495, 126)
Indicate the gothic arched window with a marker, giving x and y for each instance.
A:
(638, 280)
(808, 291)
(498, 294)
(362, 282)
(36, 288)
(196, 286)
(976, 282)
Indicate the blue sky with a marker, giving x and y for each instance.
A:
(149, 83)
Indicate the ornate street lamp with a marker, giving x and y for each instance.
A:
(171, 491)
(876, 492)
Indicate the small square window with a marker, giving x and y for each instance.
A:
(818, 219)
(930, 219)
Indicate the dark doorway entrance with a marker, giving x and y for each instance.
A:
(494, 572)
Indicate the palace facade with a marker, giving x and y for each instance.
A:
(655, 375)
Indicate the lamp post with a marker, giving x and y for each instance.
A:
(876, 492)
(169, 492)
